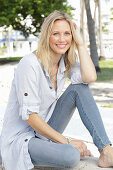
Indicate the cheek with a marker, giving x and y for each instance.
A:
(52, 40)
(69, 40)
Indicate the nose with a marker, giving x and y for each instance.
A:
(61, 38)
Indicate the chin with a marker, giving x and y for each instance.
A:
(62, 52)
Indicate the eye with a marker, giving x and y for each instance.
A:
(67, 33)
(55, 33)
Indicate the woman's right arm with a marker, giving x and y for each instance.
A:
(40, 126)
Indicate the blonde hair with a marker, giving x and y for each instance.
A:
(44, 51)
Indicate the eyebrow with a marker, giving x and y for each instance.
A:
(59, 31)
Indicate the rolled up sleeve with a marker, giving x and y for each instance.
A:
(27, 89)
(75, 74)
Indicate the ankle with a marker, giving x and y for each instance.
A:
(106, 149)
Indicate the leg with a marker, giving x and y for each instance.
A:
(63, 111)
(80, 95)
(50, 154)
(106, 157)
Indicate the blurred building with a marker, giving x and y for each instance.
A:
(13, 43)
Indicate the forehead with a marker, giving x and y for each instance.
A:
(61, 24)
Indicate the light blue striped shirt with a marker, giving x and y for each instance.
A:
(31, 91)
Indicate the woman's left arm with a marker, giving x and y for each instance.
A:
(87, 67)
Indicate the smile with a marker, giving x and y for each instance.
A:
(61, 45)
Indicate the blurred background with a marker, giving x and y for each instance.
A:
(20, 24)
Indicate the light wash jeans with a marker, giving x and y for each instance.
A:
(50, 154)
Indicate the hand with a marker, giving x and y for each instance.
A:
(78, 38)
(81, 146)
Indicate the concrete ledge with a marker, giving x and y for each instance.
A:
(88, 163)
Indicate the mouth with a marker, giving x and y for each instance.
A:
(61, 46)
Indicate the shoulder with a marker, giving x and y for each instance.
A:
(28, 66)
(28, 69)
(30, 60)
(29, 63)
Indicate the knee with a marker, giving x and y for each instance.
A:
(71, 157)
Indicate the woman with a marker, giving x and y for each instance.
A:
(37, 115)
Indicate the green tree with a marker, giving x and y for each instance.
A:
(28, 15)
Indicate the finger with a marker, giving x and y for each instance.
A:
(89, 153)
(84, 149)
(79, 149)
(74, 25)
(81, 152)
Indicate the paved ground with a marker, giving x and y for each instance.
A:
(89, 163)
(103, 94)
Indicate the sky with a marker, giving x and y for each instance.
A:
(105, 5)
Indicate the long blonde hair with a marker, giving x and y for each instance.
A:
(44, 52)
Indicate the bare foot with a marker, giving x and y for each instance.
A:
(106, 157)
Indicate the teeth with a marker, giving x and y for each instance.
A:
(61, 45)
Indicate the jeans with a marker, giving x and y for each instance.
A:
(51, 154)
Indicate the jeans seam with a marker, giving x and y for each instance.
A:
(93, 126)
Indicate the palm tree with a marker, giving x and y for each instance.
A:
(91, 30)
(82, 19)
(102, 55)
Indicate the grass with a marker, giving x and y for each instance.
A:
(106, 71)
(109, 106)
(106, 74)
(9, 59)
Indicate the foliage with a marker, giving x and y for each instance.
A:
(107, 71)
(111, 14)
(3, 49)
(28, 15)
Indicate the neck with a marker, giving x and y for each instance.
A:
(55, 59)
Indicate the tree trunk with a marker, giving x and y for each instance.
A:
(96, 5)
(91, 30)
(82, 19)
(102, 55)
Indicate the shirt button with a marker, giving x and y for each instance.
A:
(26, 140)
(25, 94)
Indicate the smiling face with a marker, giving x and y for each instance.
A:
(61, 37)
